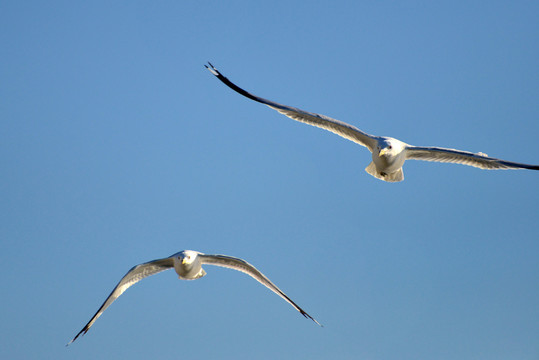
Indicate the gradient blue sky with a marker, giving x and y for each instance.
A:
(118, 147)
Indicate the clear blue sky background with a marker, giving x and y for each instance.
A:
(118, 147)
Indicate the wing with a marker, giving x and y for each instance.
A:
(245, 267)
(324, 122)
(462, 157)
(133, 276)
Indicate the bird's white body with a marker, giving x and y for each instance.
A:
(387, 160)
(187, 265)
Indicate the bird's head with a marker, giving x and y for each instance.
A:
(389, 147)
(187, 257)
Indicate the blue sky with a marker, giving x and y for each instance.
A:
(118, 147)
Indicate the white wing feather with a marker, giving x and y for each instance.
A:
(133, 276)
(340, 128)
(478, 160)
(243, 266)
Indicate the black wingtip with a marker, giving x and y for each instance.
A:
(316, 321)
(212, 69)
(75, 338)
(310, 317)
(82, 332)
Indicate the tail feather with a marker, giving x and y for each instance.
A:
(391, 177)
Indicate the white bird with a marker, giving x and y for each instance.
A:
(388, 154)
(188, 266)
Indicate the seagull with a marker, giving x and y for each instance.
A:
(188, 266)
(388, 154)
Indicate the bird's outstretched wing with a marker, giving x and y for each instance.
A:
(462, 157)
(133, 276)
(340, 128)
(245, 267)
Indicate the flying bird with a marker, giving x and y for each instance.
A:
(188, 266)
(388, 154)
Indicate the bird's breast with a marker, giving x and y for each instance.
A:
(388, 164)
(187, 272)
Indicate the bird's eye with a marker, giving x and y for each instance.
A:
(390, 147)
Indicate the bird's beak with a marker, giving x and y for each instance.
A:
(382, 152)
(184, 260)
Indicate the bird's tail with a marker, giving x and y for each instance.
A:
(391, 177)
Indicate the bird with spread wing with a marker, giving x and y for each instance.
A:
(188, 266)
(388, 154)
